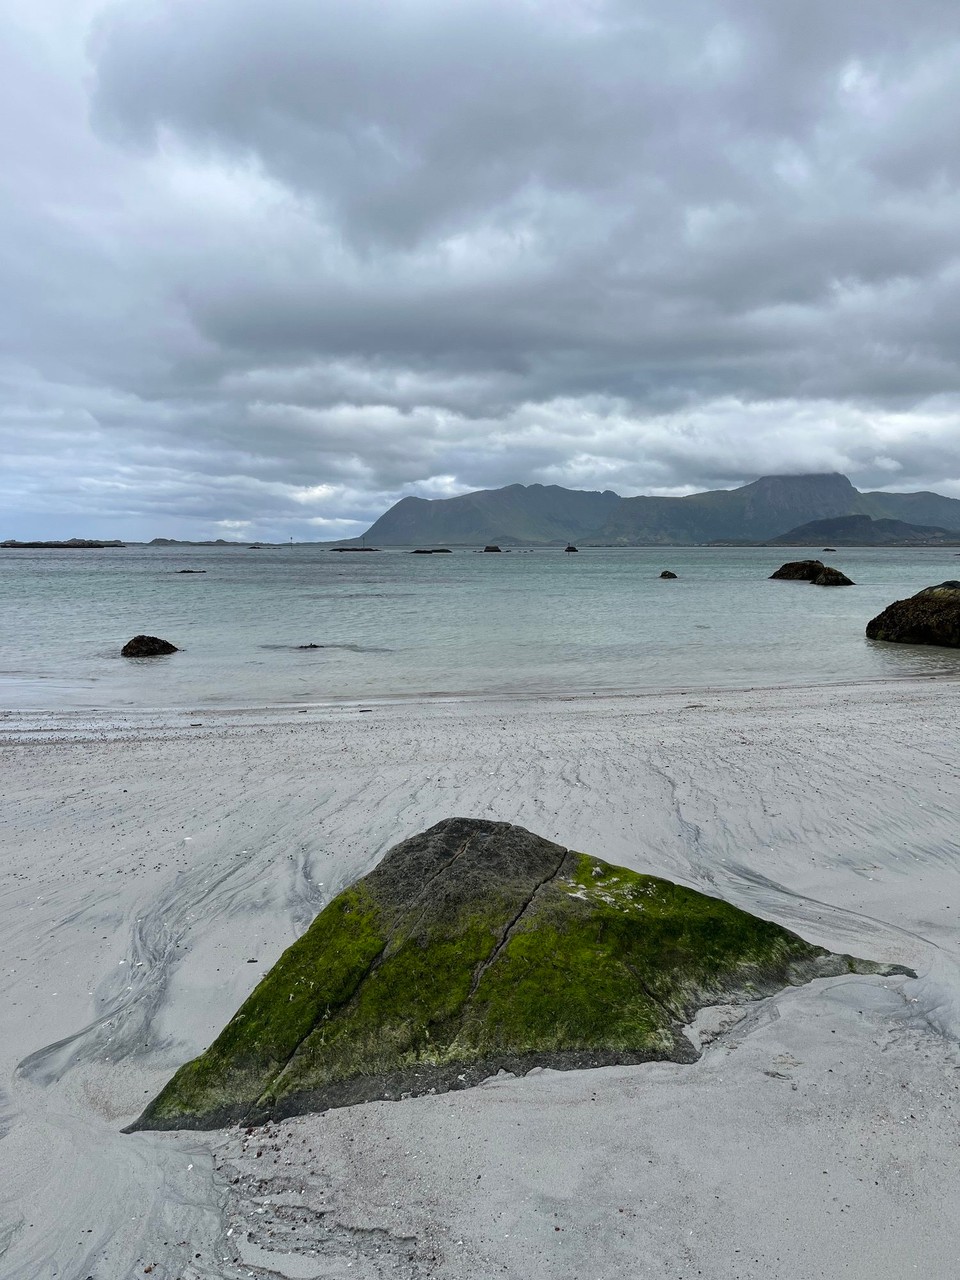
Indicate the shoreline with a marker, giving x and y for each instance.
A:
(148, 865)
(96, 722)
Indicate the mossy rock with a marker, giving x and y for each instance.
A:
(932, 616)
(477, 946)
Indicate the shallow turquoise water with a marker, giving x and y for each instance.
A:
(397, 625)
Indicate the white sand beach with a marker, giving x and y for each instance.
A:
(153, 869)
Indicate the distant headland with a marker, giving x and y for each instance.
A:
(767, 509)
(70, 544)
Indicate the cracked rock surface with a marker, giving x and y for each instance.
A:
(474, 947)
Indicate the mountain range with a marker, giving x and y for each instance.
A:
(548, 515)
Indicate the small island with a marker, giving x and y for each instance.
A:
(70, 544)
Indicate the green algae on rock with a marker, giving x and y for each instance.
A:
(473, 947)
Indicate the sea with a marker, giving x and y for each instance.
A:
(390, 625)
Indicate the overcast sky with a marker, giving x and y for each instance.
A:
(269, 265)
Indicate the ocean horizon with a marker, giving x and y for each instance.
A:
(390, 625)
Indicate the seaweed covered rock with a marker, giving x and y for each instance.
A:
(477, 946)
(147, 647)
(830, 577)
(800, 570)
(667, 573)
(932, 616)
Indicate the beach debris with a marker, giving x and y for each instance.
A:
(932, 616)
(475, 948)
(147, 647)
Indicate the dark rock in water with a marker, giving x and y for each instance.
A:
(473, 947)
(571, 548)
(309, 646)
(829, 577)
(667, 574)
(191, 571)
(491, 548)
(800, 570)
(147, 647)
(421, 551)
(932, 616)
(829, 548)
(431, 551)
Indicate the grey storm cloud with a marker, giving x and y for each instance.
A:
(271, 265)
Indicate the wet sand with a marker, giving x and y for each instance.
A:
(146, 863)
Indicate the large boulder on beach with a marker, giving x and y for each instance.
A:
(830, 577)
(147, 647)
(473, 947)
(800, 570)
(932, 616)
